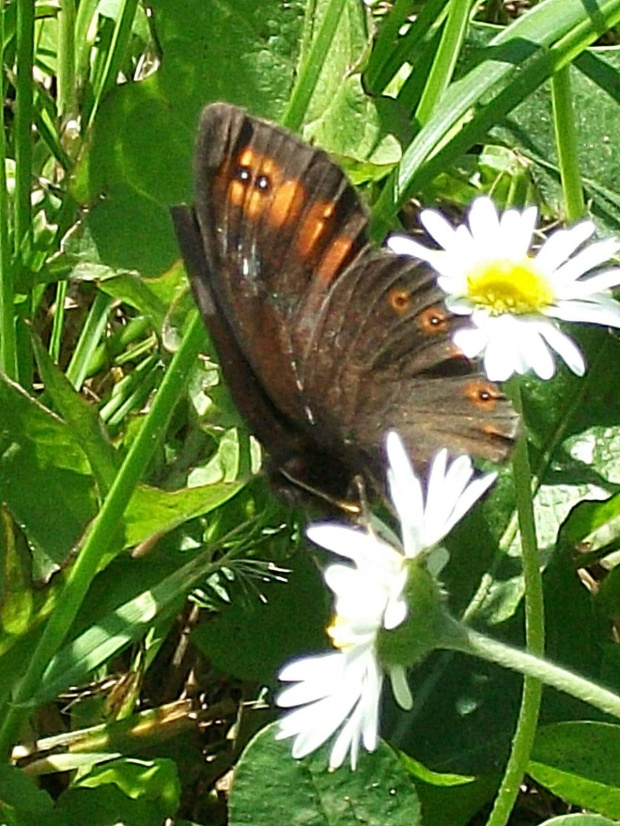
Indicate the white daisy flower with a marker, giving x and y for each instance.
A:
(340, 690)
(487, 272)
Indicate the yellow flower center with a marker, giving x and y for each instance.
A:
(503, 286)
(339, 632)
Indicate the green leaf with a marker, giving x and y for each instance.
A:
(580, 762)
(21, 792)
(449, 799)
(16, 589)
(155, 780)
(141, 153)
(43, 471)
(580, 820)
(82, 418)
(378, 792)
(251, 639)
(594, 81)
(152, 511)
(515, 63)
(103, 806)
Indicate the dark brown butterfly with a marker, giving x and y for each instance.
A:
(325, 342)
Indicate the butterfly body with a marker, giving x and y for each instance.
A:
(325, 342)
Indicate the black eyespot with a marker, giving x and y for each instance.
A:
(263, 183)
(243, 174)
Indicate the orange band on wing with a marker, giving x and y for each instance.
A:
(333, 258)
(286, 204)
(313, 226)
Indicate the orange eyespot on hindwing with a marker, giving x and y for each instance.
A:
(483, 394)
(433, 320)
(399, 300)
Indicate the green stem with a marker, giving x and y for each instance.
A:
(566, 142)
(445, 59)
(458, 637)
(59, 320)
(409, 46)
(115, 55)
(386, 43)
(89, 339)
(104, 526)
(67, 92)
(23, 124)
(525, 733)
(8, 344)
(311, 69)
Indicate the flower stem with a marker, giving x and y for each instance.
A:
(103, 528)
(312, 65)
(525, 732)
(458, 637)
(566, 142)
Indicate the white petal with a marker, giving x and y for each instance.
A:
(406, 493)
(604, 311)
(452, 497)
(586, 287)
(434, 509)
(517, 229)
(591, 256)
(565, 347)
(484, 225)
(363, 548)
(403, 245)
(395, 613)
(469, 497)
(500, 356)
(471, 340)
(363, 722)
(561, 245)
(400, 687)
(446, 495)
(439, 228)
(535, 352)
(327, 666)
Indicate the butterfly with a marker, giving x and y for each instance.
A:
(325, 342)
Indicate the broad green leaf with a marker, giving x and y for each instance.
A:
(449, 799)
(16, 588)
(105, 805)
(594, 79)
(377, 793)
(152, 511)
(81, 417)
(580, 762)
(43, 471)
(21, 792)
(252, 638)
(353, 126)
(141, 153)
(155, 780)
(580, 820)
